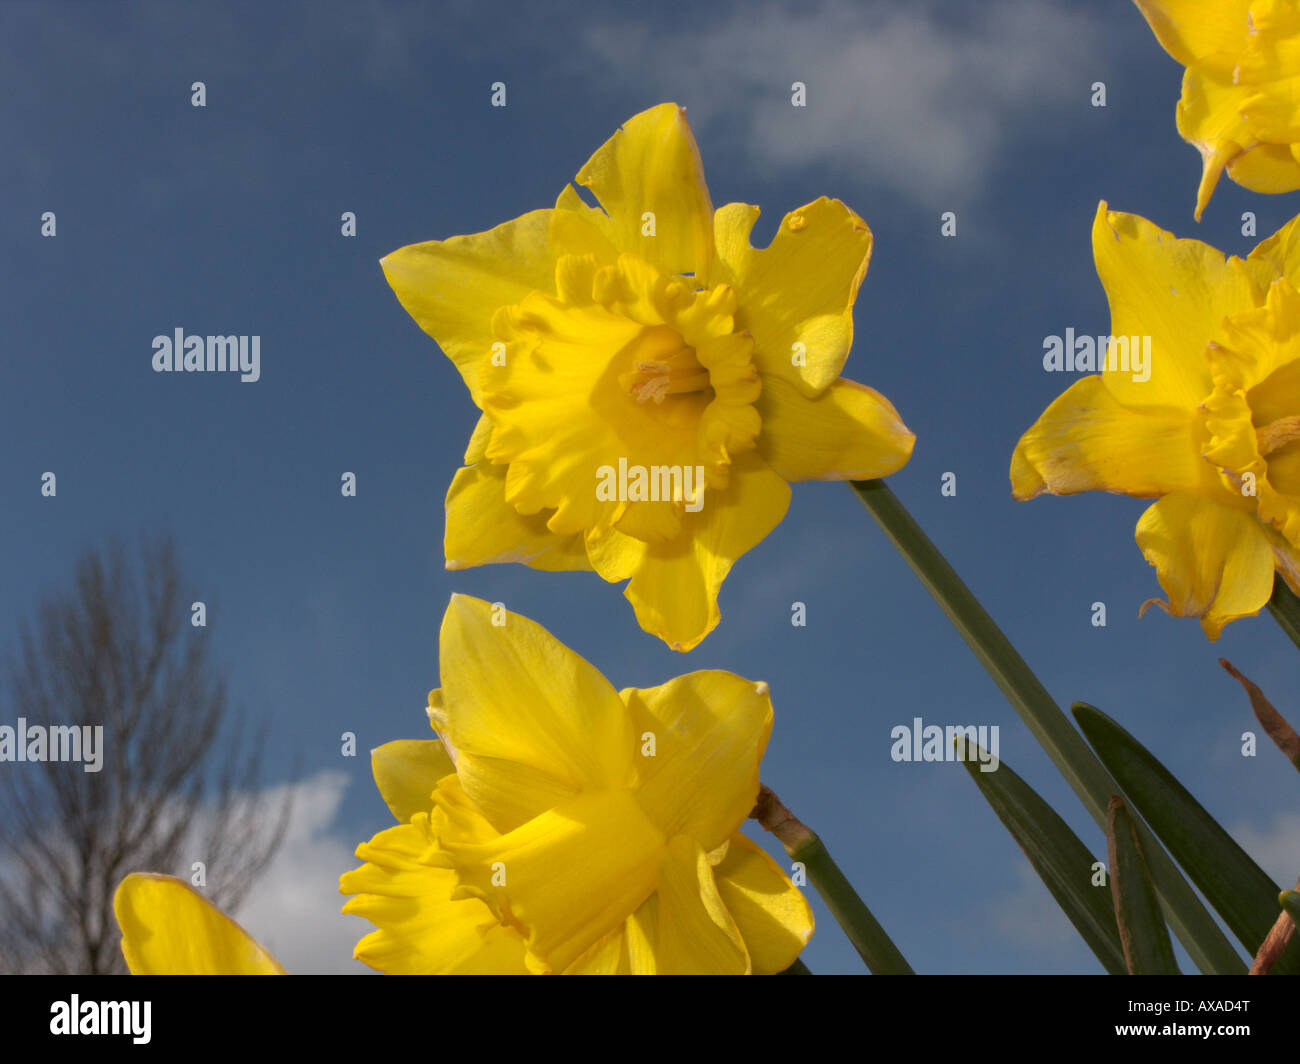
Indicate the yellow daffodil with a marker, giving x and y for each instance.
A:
(649, 381)
(1240, 103)
(169, 928)
(562, 826)
(1211, 428)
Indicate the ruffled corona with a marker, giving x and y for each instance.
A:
(1252, 418)
(677, 390)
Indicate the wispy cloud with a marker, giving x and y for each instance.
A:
(1276, 849)
(1029, 918)
(915, 97)
(293, 909)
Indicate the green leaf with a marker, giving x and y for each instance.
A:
(1204, 940)
(1062, 861)
(1238, 889)
(1142, 931)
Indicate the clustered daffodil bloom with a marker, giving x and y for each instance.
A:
(169, 928)
(1240, 103)
(648, 335)
(1213, 434)
(558, 825)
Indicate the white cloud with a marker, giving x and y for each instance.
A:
(293, 908)
(1276, 849)
(1029, 917)
(908, 96)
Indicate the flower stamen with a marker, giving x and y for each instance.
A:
(1277, 434)
(675, 370)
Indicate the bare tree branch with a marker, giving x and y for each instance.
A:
(180, 774)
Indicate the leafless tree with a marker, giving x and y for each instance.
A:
(178, 781)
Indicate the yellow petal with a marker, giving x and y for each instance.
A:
(1276, 256)
(709, 730)
(1175, 291)
(1258, 343)
(1087, 441)
(478, 441)
(1214, 562)
(527, 716)
(1209, 117)
(1270, 56)
(651, 166)
(774, 917)
(1192, 30)
(419, 930)
(483, 529)
(608, 956)
(509, 793)
(685, 929)
(577, 229)
(796, 295)
(169, 928)
(614, 555)
(1268, 168)
(675, 587)
(567, 877)
(453, 287)
(406, 771)
(849, 432)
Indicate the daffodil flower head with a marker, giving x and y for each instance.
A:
(649, 382)
(169, 928)
(559, 825)
(1211, 428)
(1240, 103)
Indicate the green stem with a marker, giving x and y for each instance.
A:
(1285, 607)
(874, 946)
(1207, 945)
(797, 968)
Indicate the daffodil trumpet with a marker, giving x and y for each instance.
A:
(557, 825)
(1191, 921)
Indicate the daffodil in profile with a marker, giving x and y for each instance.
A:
(650, 383)
(1240, 103)
(1210, 428)
(169, 928)
(560, 825)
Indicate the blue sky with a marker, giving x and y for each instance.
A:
(326, 609)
